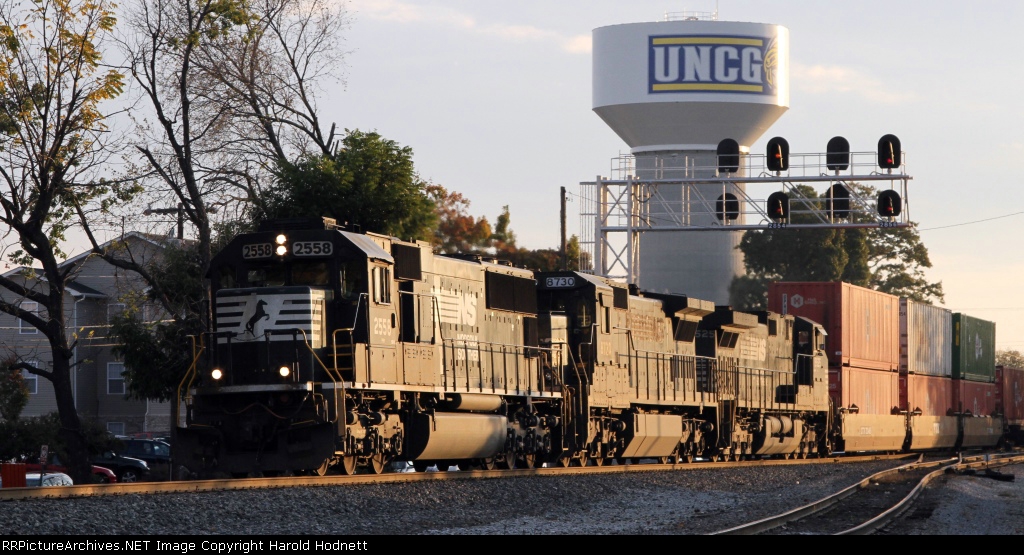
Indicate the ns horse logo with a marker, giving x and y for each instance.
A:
(258, 314)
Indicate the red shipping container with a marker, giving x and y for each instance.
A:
(870, 391)
(863, 325)
(978, 398)
(12, 475)
(932, 395)
(1010, 394)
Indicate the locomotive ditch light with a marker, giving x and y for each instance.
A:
(284, 371)
(217, 374)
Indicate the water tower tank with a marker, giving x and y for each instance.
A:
(672, 90)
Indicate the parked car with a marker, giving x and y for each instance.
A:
(100, 474)
(37, 479)
(127, 469)
(157, 455)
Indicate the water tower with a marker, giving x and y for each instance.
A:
(673, 90)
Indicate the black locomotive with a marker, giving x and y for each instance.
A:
(333, 349)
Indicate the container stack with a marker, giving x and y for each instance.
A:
(926, 374)
(1010, 392)
(974, 372)
(863, 347)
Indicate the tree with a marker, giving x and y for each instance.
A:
(52, 147)
(1012, 359)
(457, 230)
(13, 390)
(370, 182)
(888, 260)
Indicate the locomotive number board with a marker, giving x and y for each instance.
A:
(562, 281)
(312, 248)
(257, 250)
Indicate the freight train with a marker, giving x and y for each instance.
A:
(334, 350)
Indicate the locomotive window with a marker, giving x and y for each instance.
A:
(773, 327)
(728, 339)
(382, 285)
(606, 321)
(353, 279)
(267, 276)
(309, 273)
(686, 330)
(227, 277)
(583, 317)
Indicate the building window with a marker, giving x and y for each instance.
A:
(31, 380)
(115, 378)
(25, 327)
(115, 428)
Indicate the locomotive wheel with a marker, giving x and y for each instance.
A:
(348, 465)
(378, 463)
(597, 461)
(687, 458)
(528, 460)
(322, 469)
(662, 460)
(506, 461)
(564, 461)
(486, 464)
(420, 466)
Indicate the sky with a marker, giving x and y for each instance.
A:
(495, 101)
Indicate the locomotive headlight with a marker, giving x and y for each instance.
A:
(216, 374)
(284, 371)
(282, 250)
(281, 239)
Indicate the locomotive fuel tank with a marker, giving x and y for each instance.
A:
(455, 435)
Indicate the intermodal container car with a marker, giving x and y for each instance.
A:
(974, 349)
(1010, 394)
(976, 398)
(925, 339)
(929, 395)
(864, 390)
(863, 325)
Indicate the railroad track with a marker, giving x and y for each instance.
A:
(871, 504)
(93, 490)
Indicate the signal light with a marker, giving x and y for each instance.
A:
(889, 203)
(837, 154)
(778, 206)
(728, 156)
(778, 155)
(727, 207)
(838, 201)
(889, 152)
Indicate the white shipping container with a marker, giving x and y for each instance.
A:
(926, 333)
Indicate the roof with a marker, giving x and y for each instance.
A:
(365, 244)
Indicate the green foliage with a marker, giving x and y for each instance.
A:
(157, 353)
(369, 182)
(22, 439)
(888, 260)
(1012, 359)
(13, 391)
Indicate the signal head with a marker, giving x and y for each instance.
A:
(778, 155)
(890, 155)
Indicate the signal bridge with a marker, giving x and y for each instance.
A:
(740, 192)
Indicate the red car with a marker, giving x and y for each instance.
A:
(100, 474)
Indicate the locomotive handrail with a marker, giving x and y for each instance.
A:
(351, 337)
(190, 374)
(337, 410)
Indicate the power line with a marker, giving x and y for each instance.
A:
(974, 222)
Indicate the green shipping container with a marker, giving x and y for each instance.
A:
(974, 349)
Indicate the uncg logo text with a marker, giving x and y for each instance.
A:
(712, 64)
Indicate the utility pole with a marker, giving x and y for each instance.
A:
(565, 255)
(180, 211)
